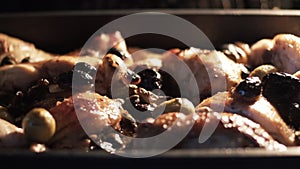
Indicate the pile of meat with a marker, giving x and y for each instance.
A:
(250, 94)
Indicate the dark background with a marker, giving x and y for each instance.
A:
(58, 5)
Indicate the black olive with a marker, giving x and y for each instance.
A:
(25, 60)
(17, 106)
(138, 104)
(282, 90)
(234, 52)
(82, 77)
(281, 87)
(128, 124)
(64, 80)
(24, 101)
(249, 89)
(137, 108)
(85, 67)
(294, 115)
(150, 79)
(117, 52)
(8, 60)
(169, 85)
(132, 77)
(82, 72)
(38, 92)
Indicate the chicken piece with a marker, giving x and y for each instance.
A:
(11, 136)
(213, 71)
(83, 115)
(21, 76)
(260, 52)
(14, 50)
(48, 66)
(69, 133)
(232, 130)
(283, 51)
(99, 45)
(17, 77)
(286, 53)
(261, 112)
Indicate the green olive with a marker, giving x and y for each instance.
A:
(4, 114)
(182, 105)
(39, 125)
(263, 70)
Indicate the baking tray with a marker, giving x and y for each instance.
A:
(50, 31)
(66, 30)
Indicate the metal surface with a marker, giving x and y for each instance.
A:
(61, 32)
(64, 31)
(210, 158)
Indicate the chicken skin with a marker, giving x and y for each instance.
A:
(283, 51)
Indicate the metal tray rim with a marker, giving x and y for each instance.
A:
(232, 153)
(179, 11)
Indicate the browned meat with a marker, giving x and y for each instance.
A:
(261, 112)
(260, 52)
(212, 70)
(11, 136)
(286, 53)
(17, 77)
(98, 46)
(232, 131)
(90, 110)
(21, 76)
(283, 51)
(43, 65)
(14, 50)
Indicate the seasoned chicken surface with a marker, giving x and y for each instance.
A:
(14, 50)
(99, 45)
(21, 76)
(232, 130)
(261, 111)
(107, 85)
(84, 115)
(283, 51)
(11, 136)
(212, 71)
(260, 52)
(286, 53)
